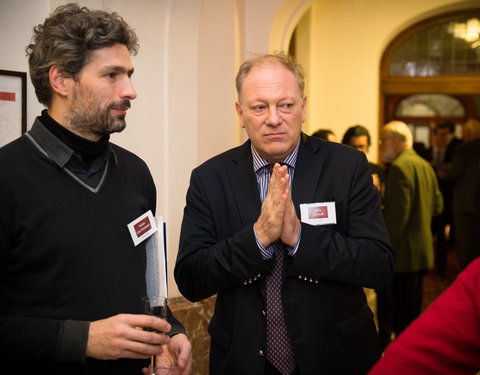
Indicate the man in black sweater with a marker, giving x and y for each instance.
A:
(71, 277)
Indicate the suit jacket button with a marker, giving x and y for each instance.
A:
(264, 313)
(300, 276)
(260, 352)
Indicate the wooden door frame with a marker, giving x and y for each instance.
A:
(458, 86)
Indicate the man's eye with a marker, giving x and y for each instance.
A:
(258, 108)
(286, 106)
(111, 75)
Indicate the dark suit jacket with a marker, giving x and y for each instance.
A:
(465, 174)
(445, 184)
(328, 318)
(450, 150)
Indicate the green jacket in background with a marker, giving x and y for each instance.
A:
(412, 197)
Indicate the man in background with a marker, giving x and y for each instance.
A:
(326, 134)
(358, 137)
(465, 174)
(444, 146)
(71, 277)
(285, 229)
(412, 197)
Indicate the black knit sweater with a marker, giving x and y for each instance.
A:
(66, 255)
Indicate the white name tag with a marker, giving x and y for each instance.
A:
(142, 227)
(318, 213)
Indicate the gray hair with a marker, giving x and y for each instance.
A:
(401, 132)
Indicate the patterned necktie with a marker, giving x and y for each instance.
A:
(279, 347)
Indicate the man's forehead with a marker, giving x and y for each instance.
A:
(116, 55)
(269, 68)
(270, 77)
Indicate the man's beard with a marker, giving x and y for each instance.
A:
(388, 156)
(87, 116)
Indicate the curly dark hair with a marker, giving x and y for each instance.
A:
(67, 39)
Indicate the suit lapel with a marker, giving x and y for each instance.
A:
(244, 184)
(245, 189)
(307, 172)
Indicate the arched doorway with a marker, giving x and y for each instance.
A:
(430, 73)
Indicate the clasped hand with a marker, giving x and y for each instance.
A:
(123, 336)
(278, 219)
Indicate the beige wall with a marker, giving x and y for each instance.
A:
(190, 51)
(342, 42)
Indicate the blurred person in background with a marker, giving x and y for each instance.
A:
(326, 134)
(465, 175)
(412, 198)
(442, 151)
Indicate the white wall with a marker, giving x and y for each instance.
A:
(17, 18)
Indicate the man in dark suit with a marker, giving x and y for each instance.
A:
(358, 137)
(319, 214)
(442, 152)
(465, 174)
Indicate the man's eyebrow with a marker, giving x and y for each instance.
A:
(119, 69)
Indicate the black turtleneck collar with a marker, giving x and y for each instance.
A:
(87, 149)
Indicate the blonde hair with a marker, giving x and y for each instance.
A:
(278, 57)
(400, 131)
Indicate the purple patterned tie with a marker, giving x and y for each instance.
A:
(279, 347)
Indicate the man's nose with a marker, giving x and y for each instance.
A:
(274, 118)
(128, 90)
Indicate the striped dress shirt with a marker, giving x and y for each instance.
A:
(261, 168)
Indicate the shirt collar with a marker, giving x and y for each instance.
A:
(56, 150)
(259, 162)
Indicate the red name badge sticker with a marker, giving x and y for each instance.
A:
(321, 213)
(142, 227)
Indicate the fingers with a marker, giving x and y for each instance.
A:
(124, 336)
(291, 224)
(182, 349)
(268, 227)
(150, 321)
(278, 182)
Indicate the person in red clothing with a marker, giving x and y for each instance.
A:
(445, 339)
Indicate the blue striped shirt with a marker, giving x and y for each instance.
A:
(260, 167)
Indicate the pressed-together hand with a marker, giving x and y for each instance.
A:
(291, 224)
(122, 336)
(176, 358)
(278, 219)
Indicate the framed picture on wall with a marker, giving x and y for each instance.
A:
(13, 105)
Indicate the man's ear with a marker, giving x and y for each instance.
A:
(59, 83)
(238, 108)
